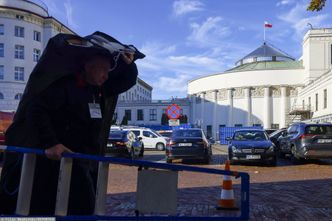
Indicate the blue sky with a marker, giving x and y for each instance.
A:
(186, 39)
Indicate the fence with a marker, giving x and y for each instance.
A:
(26, 182)
(229, 131)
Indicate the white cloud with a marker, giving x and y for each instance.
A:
(298, 19)
(182, 7)
(284, 2)
(69, 14)
(209, 33)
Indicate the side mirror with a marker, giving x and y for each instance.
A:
(139, 138)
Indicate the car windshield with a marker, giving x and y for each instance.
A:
(275, 133)
(187, 133)
(318, 129)
(249, 135)
(117, 134)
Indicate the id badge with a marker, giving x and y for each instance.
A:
(95, 111)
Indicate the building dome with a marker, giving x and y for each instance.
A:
(265, 52)
(34, 6)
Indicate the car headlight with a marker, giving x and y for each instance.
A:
(271, 149)
(236, 150)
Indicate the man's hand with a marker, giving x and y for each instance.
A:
(55, 152)
(128, 57)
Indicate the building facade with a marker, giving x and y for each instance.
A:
(268, 88)
(25, 28)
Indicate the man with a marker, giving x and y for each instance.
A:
(65, 117)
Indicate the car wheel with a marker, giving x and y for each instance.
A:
(273, 162)
(160, 146)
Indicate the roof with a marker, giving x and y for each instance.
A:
(267, 50)
(267, 65)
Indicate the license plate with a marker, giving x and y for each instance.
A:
(185, 144)
(253, 157)
(324, 141)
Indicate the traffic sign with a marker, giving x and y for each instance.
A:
(173, 122)
(173, 111)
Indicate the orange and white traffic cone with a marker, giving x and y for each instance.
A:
(227, 200)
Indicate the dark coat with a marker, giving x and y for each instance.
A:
(54, 110)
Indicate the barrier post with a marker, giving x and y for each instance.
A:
(62, 196)
(26, 182)
(102, 180)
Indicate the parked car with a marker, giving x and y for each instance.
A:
(251, 145)
(270, 131)
(150, 138)
(274, 137)
(309, 141)
(124, 143)
(188, 144)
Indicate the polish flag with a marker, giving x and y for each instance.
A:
(267, 25)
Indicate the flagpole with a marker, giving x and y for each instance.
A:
(264, 32)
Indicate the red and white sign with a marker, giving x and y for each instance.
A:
(267, 25)
(173, 111)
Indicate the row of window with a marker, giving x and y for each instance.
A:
(19, 52)
(20, 32)
(316, 101)
(16, 97)
(18, 73)
(140, 115)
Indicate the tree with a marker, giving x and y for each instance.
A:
(124, 120)
(164, 119)
(316, 5)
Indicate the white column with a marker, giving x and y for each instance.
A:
(283, 106)
(247, 96)
(267, 107)
(230, 108)
(202, 110)
(215, 120)
(193, 117)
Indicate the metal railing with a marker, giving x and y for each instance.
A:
(26, 182)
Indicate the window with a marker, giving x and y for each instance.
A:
(18, 96)
(2, 74)
(140, 114)
(1, 96)
(36, 35)
(153, 114)
(274, 126)
(19, 74)
(303, 106)
(36, 54)
(19, 51)
(316, 104)
(2, 50)
(20, 17)
(128, 114)
(19, 31)
(149, 134)
(2, 29)
(209, 131)
(325, 98)
(238, 125)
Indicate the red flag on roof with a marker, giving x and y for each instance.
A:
(267, 25)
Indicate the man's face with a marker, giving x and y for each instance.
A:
(96, 70)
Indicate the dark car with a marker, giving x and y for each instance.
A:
(124, 143)
(270, 131)
(251, 145)
(275, 137)
(309, 141)
(188, 144)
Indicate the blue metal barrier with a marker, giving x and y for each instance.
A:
(229, 131)
(244, 207)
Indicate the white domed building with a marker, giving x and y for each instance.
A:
(267, 88)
